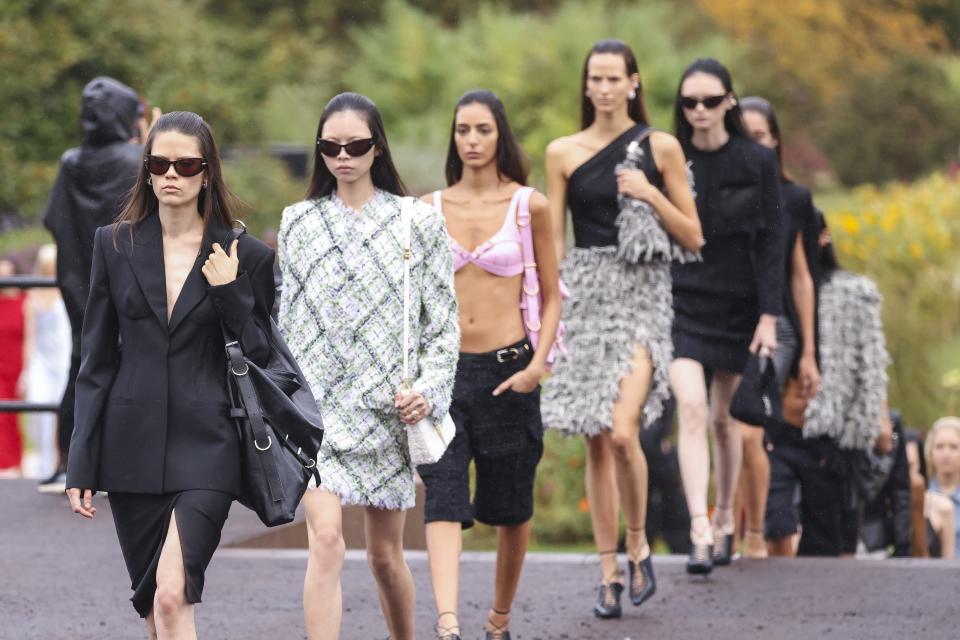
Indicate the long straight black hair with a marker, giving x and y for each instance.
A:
(764, 108)
(216, 203)
(635, 107)
(511, 162)
(383, 172)
(732, 121)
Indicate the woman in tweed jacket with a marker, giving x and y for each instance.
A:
(341, 312)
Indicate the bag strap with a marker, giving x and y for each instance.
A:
(531, 279)
(438, 200)
(251, 404)
(405, 215)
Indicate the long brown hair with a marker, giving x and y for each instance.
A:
(215, 204)
(635, 108)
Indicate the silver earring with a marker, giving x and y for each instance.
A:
(204, 184)
(632, 95)
(733, 102)
(149, 180)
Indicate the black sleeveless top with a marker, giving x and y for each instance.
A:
(592, 190)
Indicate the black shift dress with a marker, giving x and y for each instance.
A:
(718, 302)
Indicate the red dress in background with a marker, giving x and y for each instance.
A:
(11, 363)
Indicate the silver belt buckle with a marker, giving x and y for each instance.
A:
(508, 355)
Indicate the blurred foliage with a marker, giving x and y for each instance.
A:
(265, 187)
(416, 67)
(905, 237)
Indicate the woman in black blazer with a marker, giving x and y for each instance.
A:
(152, 410)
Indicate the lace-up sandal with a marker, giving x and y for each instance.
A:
(496, 631)
(448, 632)
(722, 542)
(643, 584)
(700, 562)
(608, 596)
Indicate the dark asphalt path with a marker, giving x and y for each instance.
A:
(62, 578)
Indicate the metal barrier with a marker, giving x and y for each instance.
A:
(26, 282)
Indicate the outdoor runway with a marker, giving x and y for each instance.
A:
(63, 578)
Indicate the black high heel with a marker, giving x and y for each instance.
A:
(499, 631)
(608, 596)
(643, 583)
(700, 562)
(446, 633)
(722, 544)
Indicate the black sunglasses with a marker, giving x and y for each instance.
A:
(710, 102)
(354, 149)
(186, 167)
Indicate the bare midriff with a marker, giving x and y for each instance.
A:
(489, 310)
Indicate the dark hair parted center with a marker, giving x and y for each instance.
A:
(732, 120)
(635, 107)
(383, 172)
(215, 204)
(510, 160)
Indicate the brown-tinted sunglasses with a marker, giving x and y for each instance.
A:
(185, 167)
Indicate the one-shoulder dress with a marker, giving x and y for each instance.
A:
(618, 274)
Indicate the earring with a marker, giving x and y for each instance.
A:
(632, 95)
(204, 184)
(149, 180)
(587, 93)
(733, 102)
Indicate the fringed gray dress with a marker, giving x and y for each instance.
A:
(618, 273)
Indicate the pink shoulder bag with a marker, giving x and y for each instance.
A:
(531, 298)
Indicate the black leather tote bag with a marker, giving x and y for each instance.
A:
(757, 399)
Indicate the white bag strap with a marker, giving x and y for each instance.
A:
(406, 205)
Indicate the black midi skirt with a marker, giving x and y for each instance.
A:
(142, 521)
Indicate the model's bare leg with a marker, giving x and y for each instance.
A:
(444, 544)
(384, 532)
(322, 593)
(511, 550)
(172, 614)
(693, 449)
(604, 504)
(754, 486)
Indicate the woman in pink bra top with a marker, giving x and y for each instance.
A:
(496, 396)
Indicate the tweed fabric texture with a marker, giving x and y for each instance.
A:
(342, 313)
(853, 363)
(613, 307)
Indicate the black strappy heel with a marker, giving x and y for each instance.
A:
(608, 597)
(447, 633)
(722, 545)
(700, 562)
(643, 583)
(499, 631)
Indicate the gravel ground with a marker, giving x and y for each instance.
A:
(62, 578)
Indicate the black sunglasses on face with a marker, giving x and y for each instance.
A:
(185, 167)
(710, 102)
(354, 149)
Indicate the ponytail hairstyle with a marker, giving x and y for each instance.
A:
(733, 119)
(635, 107)
(511, 162)
(383, 172)
(215, 204)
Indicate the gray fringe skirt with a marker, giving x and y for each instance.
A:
(614, 307)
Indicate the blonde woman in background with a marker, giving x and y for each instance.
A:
(46, 360)
(942, 502)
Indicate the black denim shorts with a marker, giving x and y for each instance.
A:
(502, 434)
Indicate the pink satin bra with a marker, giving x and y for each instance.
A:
(500, 255)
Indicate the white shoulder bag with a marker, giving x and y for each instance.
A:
(428, 438)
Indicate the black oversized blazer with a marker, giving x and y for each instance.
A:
(152, 410)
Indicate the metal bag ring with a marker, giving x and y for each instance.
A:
(259, 448)
(246, 369)
(312, 464)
